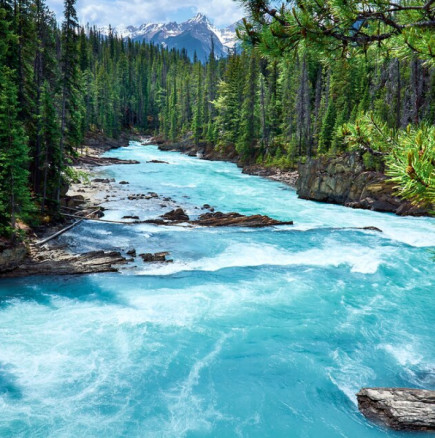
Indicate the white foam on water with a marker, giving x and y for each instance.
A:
(65, 366)
(189, 411)
(348, 373)
(405, 355)
(360, 259)
(180, 186)
(77, 362)
(355, 312)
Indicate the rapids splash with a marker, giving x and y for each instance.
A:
(250, 333)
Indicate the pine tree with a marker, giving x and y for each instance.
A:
(303, 111)
(15, 199)
(248, 114)
(70, 111)
(197, 122)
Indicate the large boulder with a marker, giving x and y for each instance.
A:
(399, 408)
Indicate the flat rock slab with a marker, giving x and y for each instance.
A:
(103, 161)
(219, 219)
(399, 408)
(59, 262)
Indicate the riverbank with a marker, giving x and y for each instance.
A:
(346, 180)
(279, 313)
(82, 200)
(208, 152)
(40, 254)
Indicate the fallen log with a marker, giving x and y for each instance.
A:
(399, 408)
(99, 220)
(64, 230)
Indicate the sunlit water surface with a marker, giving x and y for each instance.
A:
(250, 333)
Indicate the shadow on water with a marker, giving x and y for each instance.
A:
(8, 383)
(43, 289)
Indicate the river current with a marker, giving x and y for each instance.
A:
(249, 333)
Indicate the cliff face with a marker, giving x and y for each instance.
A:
(347, 180)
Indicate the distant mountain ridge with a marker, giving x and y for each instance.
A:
(194, 35)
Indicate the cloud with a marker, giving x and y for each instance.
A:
(134, 12)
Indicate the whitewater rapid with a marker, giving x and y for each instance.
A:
(266, 332)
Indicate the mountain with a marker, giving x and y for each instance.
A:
(194, 35)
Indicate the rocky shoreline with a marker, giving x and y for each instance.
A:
(344, 180)
(397, 408)
(351, 181)
(42, 256)
(29, 258)
(208, 152)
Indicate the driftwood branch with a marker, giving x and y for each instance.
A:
(64, 230)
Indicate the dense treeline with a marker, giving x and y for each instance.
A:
(397, 41)
(293, 108)
(58, 83)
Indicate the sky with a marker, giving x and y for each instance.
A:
(135, 12)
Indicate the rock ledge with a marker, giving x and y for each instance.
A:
(399, 408)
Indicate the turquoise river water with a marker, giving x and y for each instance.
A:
(249, 333)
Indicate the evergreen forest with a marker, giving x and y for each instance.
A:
(295, 89)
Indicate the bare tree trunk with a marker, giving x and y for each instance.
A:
(398, 95)
(265, 136)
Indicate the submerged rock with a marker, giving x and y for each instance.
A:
(370, 228)
(399, 408)
(157, 162)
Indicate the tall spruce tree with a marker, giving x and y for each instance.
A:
(69, 117)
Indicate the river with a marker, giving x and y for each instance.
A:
(249, 333)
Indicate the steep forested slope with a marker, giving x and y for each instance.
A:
(261, 105)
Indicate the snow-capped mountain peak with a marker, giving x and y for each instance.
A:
(199, 18)
(194, 35)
